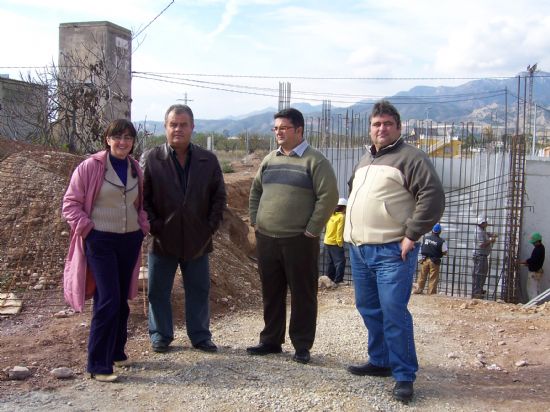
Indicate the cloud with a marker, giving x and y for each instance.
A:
(500, 46)
(300, 38)
(375, 60)
(231, 10)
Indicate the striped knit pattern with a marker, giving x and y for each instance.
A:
(292, 194)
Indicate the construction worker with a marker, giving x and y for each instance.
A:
(334, 242)
(483, 243)
(432, 250)
(534, 265)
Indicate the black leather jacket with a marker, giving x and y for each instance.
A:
(182, 225)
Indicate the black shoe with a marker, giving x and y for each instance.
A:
(403, 391)
(264, 349)
(369, 369)
(159, 347)
(301, 356)
(206, 346)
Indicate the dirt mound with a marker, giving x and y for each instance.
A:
(34, 238)
(34, 241)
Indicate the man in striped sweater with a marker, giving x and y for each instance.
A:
(291, 199)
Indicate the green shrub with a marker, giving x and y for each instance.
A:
(227, 168)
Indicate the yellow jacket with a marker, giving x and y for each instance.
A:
(334, 231)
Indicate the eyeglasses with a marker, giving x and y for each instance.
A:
(282, 129)
(119, 137)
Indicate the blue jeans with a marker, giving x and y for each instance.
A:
(336, 263)
(196, 283)
(383, 285)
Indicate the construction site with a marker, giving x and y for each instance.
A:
(494, 349)
(494, 171)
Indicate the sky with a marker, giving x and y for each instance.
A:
(230, 56)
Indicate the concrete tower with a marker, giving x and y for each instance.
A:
(97, 57)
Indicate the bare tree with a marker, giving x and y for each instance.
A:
(71, 104)
(89, 94)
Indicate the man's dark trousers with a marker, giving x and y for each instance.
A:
(289, 262)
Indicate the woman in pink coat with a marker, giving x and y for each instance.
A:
(104, 208)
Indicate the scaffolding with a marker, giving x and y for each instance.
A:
(482, 171)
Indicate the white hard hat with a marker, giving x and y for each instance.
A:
(481, 219)
(342, 201)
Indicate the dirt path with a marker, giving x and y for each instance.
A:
(467, 351)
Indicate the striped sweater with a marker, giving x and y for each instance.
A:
(291, 195)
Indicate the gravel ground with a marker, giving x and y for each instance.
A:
(231, 380)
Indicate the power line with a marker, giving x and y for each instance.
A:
(252, 76)
(249, 76)
(151, 22)
(271, 92)
(496, 94)
(326, 94)
(203, 87)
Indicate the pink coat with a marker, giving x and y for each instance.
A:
(78, 202)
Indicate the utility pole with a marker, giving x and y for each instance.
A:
(185, 99)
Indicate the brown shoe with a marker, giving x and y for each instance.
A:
(100, 377)
(122, 363)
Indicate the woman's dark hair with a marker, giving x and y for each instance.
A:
(117, 127)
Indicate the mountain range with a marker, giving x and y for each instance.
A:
(479, 101)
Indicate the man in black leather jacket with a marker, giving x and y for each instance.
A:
(184, 196)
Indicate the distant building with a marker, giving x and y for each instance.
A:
(439, 146)
(23, 109)
(109, 47)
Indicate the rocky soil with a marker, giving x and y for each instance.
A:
(474, 355)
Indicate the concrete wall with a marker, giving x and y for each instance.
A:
(474, 185)
(536, 217)
(23, 109)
